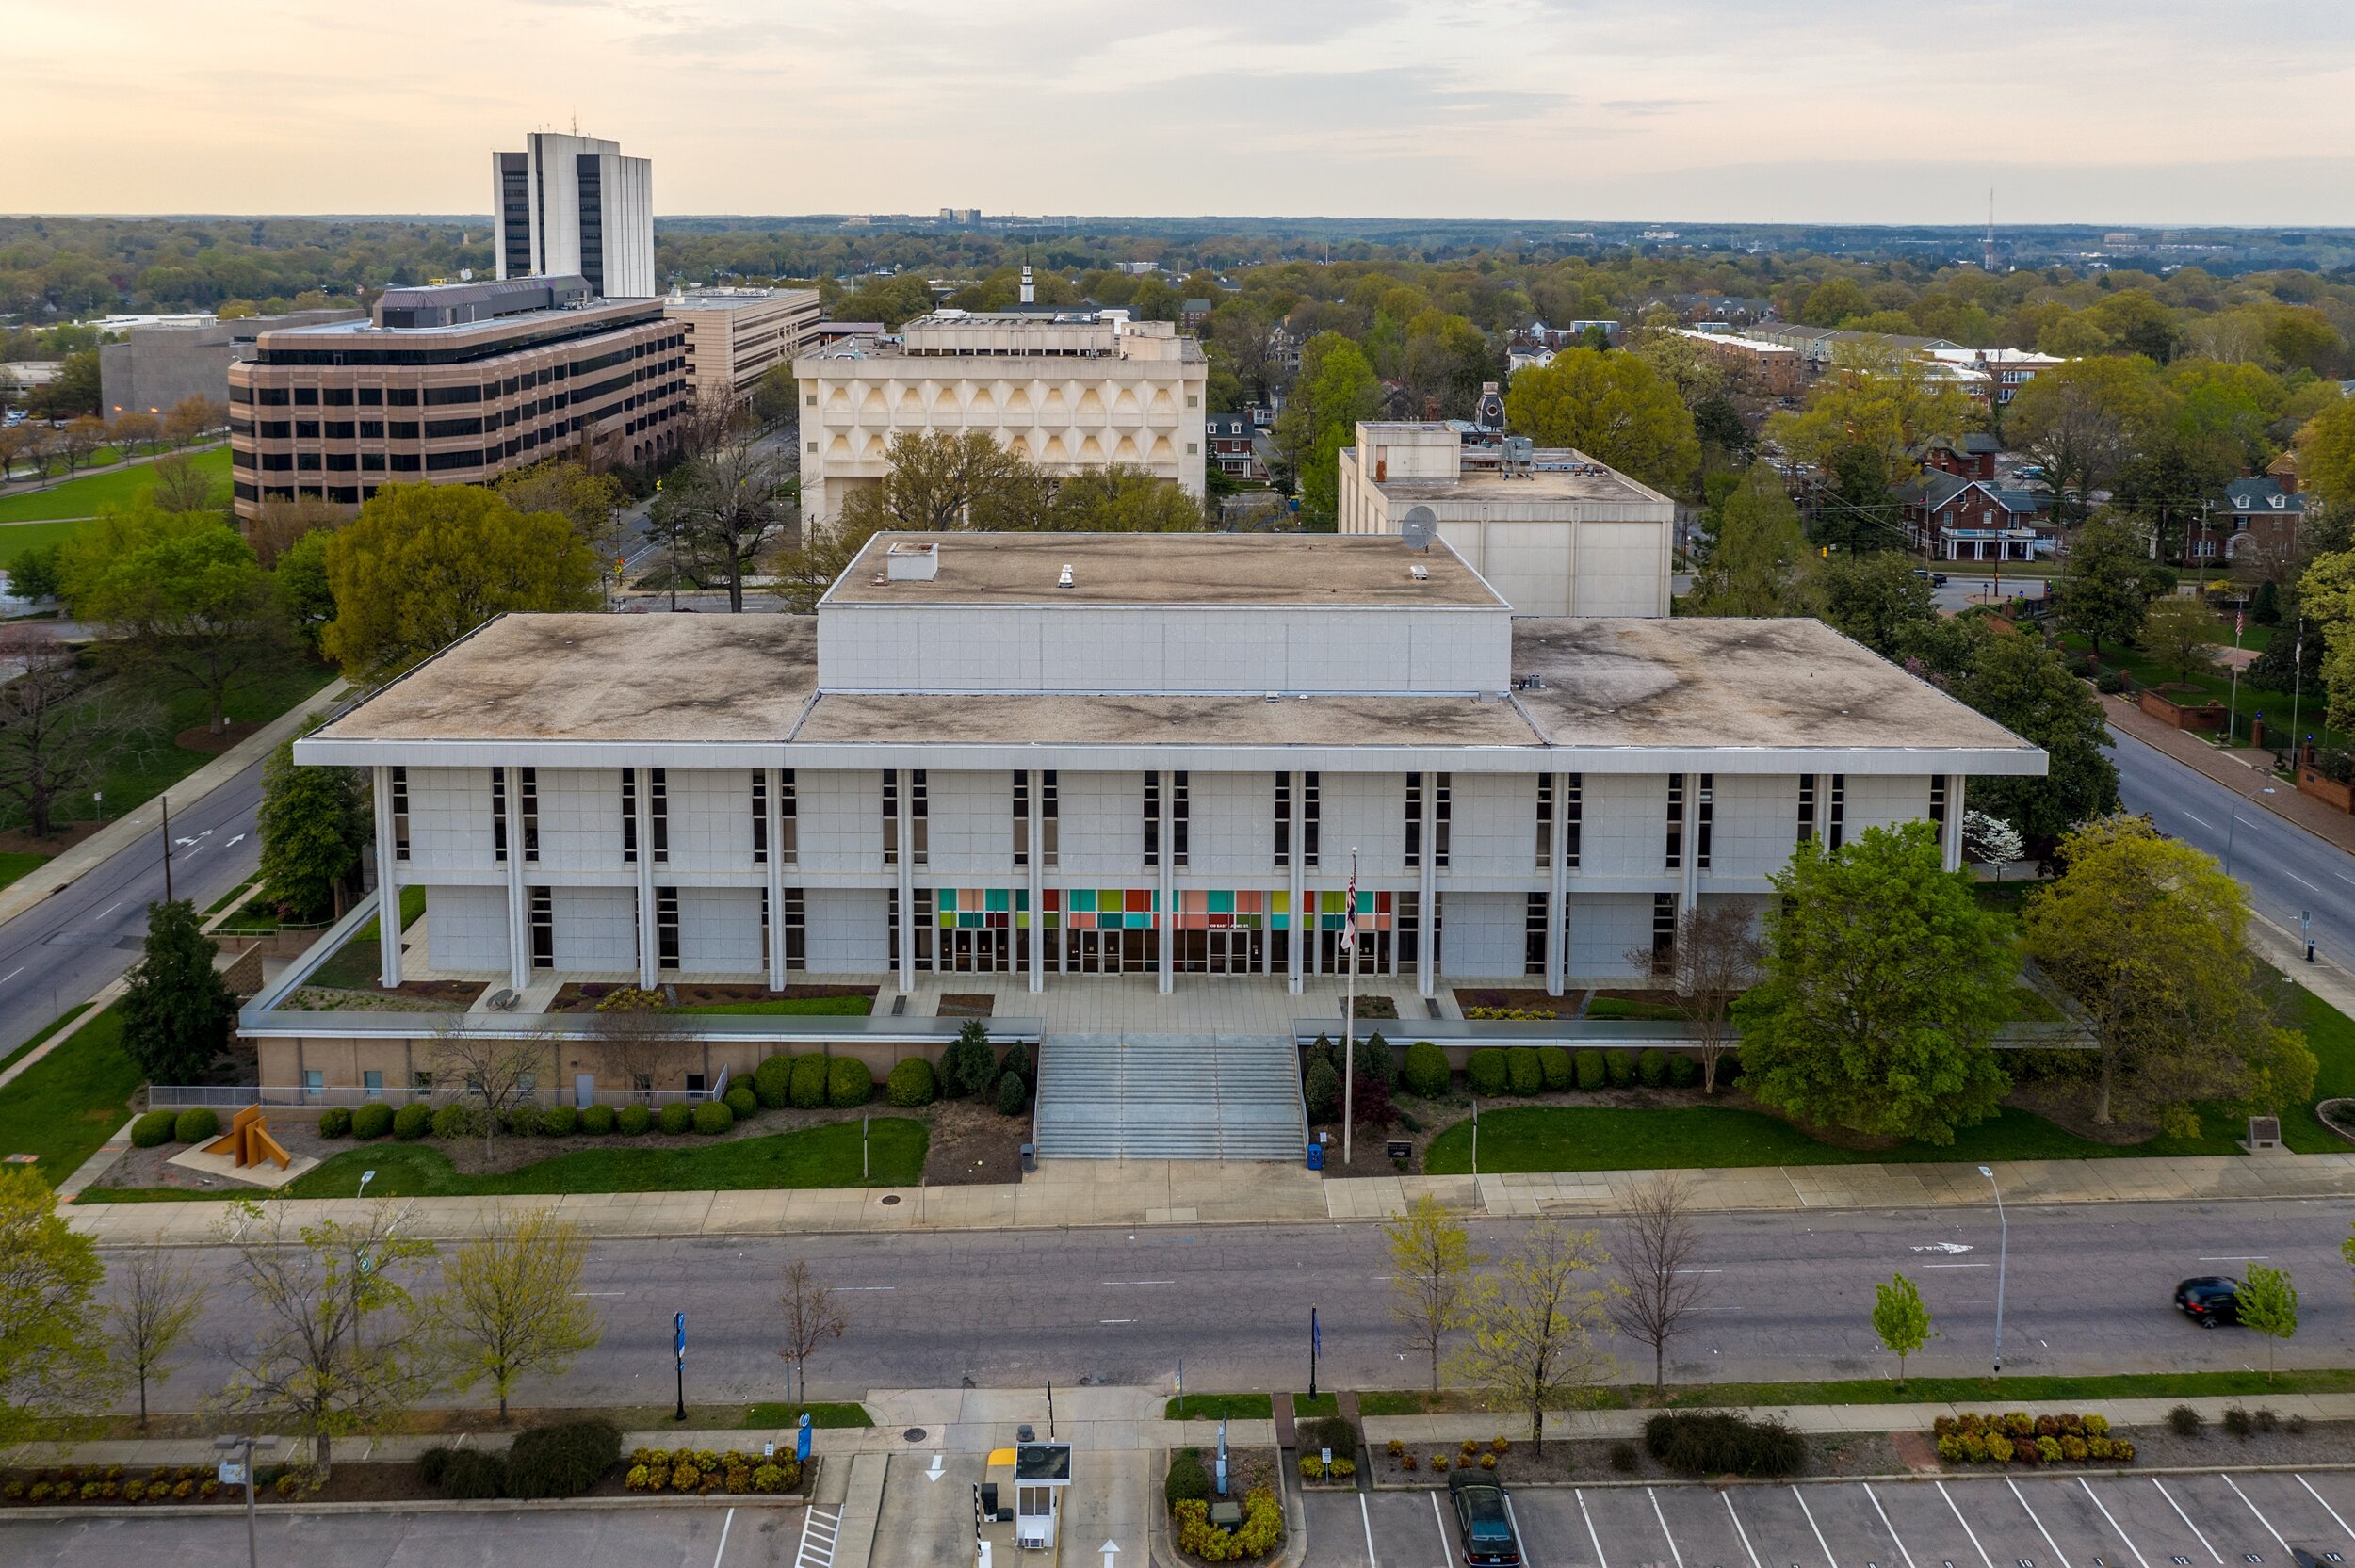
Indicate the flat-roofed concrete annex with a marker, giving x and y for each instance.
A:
(1169, 569)
(1540, 484)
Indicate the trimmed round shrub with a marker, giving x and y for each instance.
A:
(1652, 1067)
(806, 1088)
(1553, 1061)
(559, 1122)
(909, 1083)
(597, 1121)
(631, 1120)
(196, 1125)
(771, 1078)
(1523, 1071)
(412, 1120)
(1485, 1071)
(334, 1122)
(675, 1119)
(372, 1121)
(564, 1460)
(848, 1084)
(1187, 1480)
(2111, 681)
(154, 1129)
(1322, 1089)
(432, 1462)
(1425, 1071)
(458, 1119)
(526, 1119)
(1619, 1067)
(1589, 1068)
(742, 1101)
(1684, 1071)
(1013, 1094)
(474, 1473)
(713, 1117)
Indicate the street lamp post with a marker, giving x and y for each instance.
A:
(247, 1446)
(2003, 1256)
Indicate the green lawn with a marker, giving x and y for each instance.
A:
(71, 1101)
(15, 864)
(1326, 1403)
(2217, 682)
(356, 964)
(816, 1156)
(2330, 1034)
(18, 537)
(799, 1007)
(82, 497)
(67, 1016)
(1213, 1407)
(820, 1415)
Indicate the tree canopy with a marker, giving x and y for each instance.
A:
(177, 1009)
(1758, 561)
(179, 597)
(1614, 407)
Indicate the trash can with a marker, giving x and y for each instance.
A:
(1316, 1156)
(1029, 1157)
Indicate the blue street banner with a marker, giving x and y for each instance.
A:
(678, 1336)
(801, 1440)
(1316, 1334)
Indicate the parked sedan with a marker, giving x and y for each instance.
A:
(2209, 1300)
(1483, 1527)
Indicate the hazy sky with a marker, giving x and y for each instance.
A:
(2111, 111)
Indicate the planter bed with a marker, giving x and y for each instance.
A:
(1585, 1461)
(1247, 1470)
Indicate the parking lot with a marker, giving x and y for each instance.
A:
(2039, 1521)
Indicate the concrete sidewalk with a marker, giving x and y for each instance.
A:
(2235, 771)
(43, 882)
(1115, 1194)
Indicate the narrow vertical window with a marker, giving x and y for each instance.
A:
(1310, 829)
(400, 813)
(1675, 822)
(1533, 935)
(1839, 809)
(658, 814)
(1704, 813)
(1178, 809)
(1021, 816)
(1573, 818)
(1152, 819)
(1283, 821)
(796, 929)
(1807, 808)
(1414, 821)
(666, 927)
(1442, 814)
(788, 821)
(1050, 831)
(543, 928)
(1545, 821)
(1938, 801)
(498, 814)
(629, 816)
(1664, 934)
(919, 818)
(891, 819)
(529, 787)
(760, 816)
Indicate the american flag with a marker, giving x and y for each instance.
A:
(1349, 920)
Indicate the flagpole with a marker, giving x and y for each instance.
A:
(2231, 715)
(1348, 1017)
(2297, 683)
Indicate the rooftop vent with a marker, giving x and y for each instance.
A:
(1421, 574)
(910, 563)
(1062, 579)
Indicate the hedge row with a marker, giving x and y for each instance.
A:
(1548, 1069)
(159, 1127)
(561, 1461)
(702, 1471)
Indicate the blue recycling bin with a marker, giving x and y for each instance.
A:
(1316, 1156)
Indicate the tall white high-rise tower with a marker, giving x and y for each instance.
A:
(573, 205)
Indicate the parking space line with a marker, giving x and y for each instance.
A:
(725, 1525)
(1527, 1561)
(1965, 1524)
(2261, 1518)
(1367, 1519)
(2114, 1524)
(2326, 1507)
(1829, 1560)
(1746, 1535)
(1664, 1527)
(1601, 1560)
(2059, 1556)
(2186, 1518)
(1439, 1520)
(1892, 1530)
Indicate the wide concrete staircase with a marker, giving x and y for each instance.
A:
(1169, 1096)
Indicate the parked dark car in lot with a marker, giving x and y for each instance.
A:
(1483, 1527)
(2210, 1300)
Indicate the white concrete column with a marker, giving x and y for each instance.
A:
(1303, 928)
(1034, 781)
(387, 881)
(1428, 889)
(907, 878)
(518, 901)
(1689, 893)
(649, 959)
(1167, 832)
(776, 828)
(1557, 888)
(1950, 839)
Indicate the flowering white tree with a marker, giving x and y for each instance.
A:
(1993, 841)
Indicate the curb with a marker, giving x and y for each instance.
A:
(416, 1505)
(1916, 1477)
(1162, 1552)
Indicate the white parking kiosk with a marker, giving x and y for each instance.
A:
(1018, 1506)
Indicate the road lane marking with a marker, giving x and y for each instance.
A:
(1575, 1492)
(2259, 1257)
(2059, 1556)
(849, 1287)
(2114, 1524)
(11, 974)
(1136, 1282)
(600, 1292)
(1114, 1320)
(1664, 1525)
(1890, 1528)
(1965, 1524)
(2202, 820)
(1746, 1535)
(2326, 1507)
(2261, 1518)
(1957, 1266)
(1829, 1560)
(2186, 1518)
(1367, 1519)
(2300, 880)
(109, 909)
(725, 1525)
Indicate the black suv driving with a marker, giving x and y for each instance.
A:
(1482, 1525)
(2209, 1300)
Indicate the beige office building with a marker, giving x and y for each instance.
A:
(736, 335)
(1073, 392)
(1555, 532)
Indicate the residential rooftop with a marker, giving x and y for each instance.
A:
(1299, 571)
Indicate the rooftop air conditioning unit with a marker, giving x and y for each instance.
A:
(910, 563)
(1063, 578)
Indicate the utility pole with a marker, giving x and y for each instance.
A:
(167, 804)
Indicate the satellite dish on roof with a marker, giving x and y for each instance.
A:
(1418, 527)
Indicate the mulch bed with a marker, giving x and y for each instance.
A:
(201, 738)
(966, 1004)
(972, 1144)
(18, 841)
(1589, 1458)
(1247, 1468)
(583, 997)
(1535, 999)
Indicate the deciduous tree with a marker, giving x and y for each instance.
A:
(1877, 599)
(192, 417)
(58, 724)
(1535, 1327)
(52, 1341)
(2024, 685)
(180, 486)
(1880, 400)
(2178, 633)
(1885, 982)
(1121, 499)
(511, 1306)
(1615, 408)
(497, 1070)
(177, 1009)
(2081, 422)
(807, 1318)
(1660, 1286)
(2105, 584)
(2267, 1303)
(1716, 959)
(314, 822)
(726, 509)
(155, 1303)
(180, 599)
(82, 436)
(1758, 563)
(1336, 389)
(2150, 936)
(1901, 1320)
(1432, 1286)
(133, 431)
